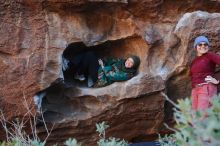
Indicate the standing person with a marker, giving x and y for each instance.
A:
(202, 70)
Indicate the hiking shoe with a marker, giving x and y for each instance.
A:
(79, 77)
(90, 82)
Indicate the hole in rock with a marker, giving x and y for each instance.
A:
(73, 64)
(75, 54)
(60, 102)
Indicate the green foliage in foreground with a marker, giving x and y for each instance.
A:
(18, 142)
(72, 142)
(100, 127)
(195, 128)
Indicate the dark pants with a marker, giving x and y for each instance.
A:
(89, 66)
(85, 63)
(201, 96)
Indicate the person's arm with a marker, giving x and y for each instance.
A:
(214, 58)
(119, 76)
(212, 80)
(101, 63)
(110, 61)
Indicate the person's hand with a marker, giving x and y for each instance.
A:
(101, 63)
(212, 80)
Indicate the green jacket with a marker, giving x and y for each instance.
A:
(113, 71)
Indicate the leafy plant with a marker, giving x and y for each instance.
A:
(15, 130)
(167, 140)
(194, 128)
(72, 142)
(16, 135)
(101, 127)
(18, 139)
(3, 143)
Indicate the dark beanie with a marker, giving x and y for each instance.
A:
(136, 60)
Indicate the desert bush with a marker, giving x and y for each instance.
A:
(194, 128)
(72, 142)
(15, 129)
(103, 141)
(16, 135)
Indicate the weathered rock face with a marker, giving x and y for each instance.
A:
(34, 35)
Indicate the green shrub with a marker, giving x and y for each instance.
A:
(195, 128)
(101, 127)
(103, 141)
(19, 138)
(16, 135)
(72, 142)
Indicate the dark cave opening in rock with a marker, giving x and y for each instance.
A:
(72, 58)
(64, 99)
(75, 51)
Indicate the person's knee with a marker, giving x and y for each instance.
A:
(91, 58)
(90, 54)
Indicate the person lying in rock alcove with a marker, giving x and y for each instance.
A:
(103, 72)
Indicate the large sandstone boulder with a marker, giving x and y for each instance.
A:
(34, 34)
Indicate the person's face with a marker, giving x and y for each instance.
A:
(129, 63)
(202, 48)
